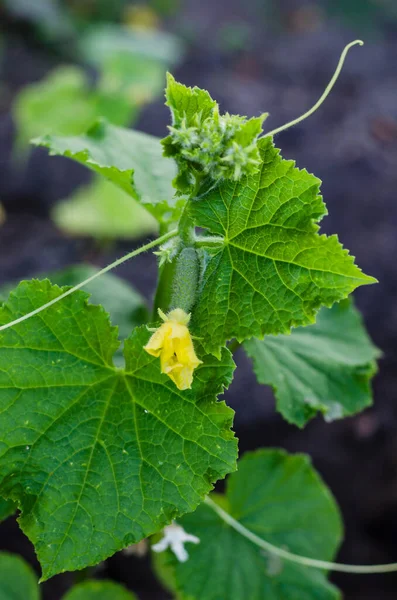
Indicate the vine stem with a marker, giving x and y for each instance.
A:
(113, 265)
(324, 94)
(296, 558)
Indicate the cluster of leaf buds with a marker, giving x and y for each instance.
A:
(205, 143)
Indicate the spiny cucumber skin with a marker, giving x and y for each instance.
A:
(186, 280)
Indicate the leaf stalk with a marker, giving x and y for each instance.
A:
(113, 265)
(296, 558)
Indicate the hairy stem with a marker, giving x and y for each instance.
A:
(296, 558)
(113, 265)
(324, 94)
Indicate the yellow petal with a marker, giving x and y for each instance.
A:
(173, 343)
(182, 376)
(156, 342)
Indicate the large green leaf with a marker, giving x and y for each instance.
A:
(17, 579)
(130, 159)
(272, 271)
(99, 590)
(282, 500)
(102, 210)
(98, 457)
(326, 367)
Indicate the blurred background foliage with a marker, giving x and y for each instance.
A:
(120, 58)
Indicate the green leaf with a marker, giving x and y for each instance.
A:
(272, 271)
(7, 508)
(326, 367)
(102, 210)
(282, 500)
(98, 457)
(186, 103)
(130, 159)
(138, 78)
(65, 103)
(99, 590)
(103, 41)
(17, 579)
(61, 103)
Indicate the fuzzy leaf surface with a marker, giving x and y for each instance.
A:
(204, 142)
(326, 367)
(273, 270)
(98, 457)
(99, 590)
(281, 499)
(130, 159)
(17, 579)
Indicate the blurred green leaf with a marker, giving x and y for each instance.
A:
(104, 211)
(17, 579)
(100, 42)
(138, 79)
(62, 103)
(99, 590)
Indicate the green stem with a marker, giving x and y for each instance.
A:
(324, 94)
(209, 240)
(296, 558)
(186, 227)
(113, 265)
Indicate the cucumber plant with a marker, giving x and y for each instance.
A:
(97, 456)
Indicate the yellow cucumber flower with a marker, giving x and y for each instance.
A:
(173, 343)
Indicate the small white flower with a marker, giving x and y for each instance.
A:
(174, 538)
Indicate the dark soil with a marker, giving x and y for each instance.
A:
(350, 143)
